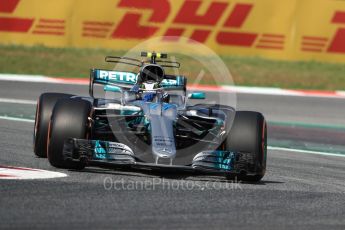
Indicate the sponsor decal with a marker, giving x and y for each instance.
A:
(167, 106)
(100, 150)
(116, 76)
(46, 26)
(187, 17)
(218, 159)
(222, 25)
(334, 44)
(9, 23)
(104, 150)
(154, 106)
(170, 82)
(162, 141)
(95, 29)
(338, 45)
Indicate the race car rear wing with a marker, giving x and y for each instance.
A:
(139, 63)
(126, 80)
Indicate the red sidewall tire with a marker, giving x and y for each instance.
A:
(44, 108)
(70, 119)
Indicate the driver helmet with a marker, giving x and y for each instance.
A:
(151, 74)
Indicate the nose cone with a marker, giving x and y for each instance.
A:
(162, 117)
(164, 147)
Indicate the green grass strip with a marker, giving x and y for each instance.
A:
(246, 71)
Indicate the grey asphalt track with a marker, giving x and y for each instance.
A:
(299, 191)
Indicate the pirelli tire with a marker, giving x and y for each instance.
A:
(44, 108)
(248, 134)
(70, 119)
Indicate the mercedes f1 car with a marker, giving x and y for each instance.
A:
(151, 125)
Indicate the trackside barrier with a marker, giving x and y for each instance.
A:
(287, 29)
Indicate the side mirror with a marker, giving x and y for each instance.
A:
(197, 95)
(112, 88)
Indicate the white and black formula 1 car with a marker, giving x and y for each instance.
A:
(149, 126)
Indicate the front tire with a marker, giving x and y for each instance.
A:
(44, 108)
(69, 120)
(248, 134)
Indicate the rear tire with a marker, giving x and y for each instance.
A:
(249, 134)
(69, 120)
(44, 108)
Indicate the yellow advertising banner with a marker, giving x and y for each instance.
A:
(289, 30)
(319, 31)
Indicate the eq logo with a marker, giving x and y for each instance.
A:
(187, 18)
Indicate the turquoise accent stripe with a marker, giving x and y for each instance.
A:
(99, 150)
(307, 125)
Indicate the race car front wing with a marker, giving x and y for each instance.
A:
(112, 154)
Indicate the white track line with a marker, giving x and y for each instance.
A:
(17, 101)
(27, 78)
(40, 79)
(342, 93)
(20, 173)
(306, 151)
(16, 119)
(261, 90)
